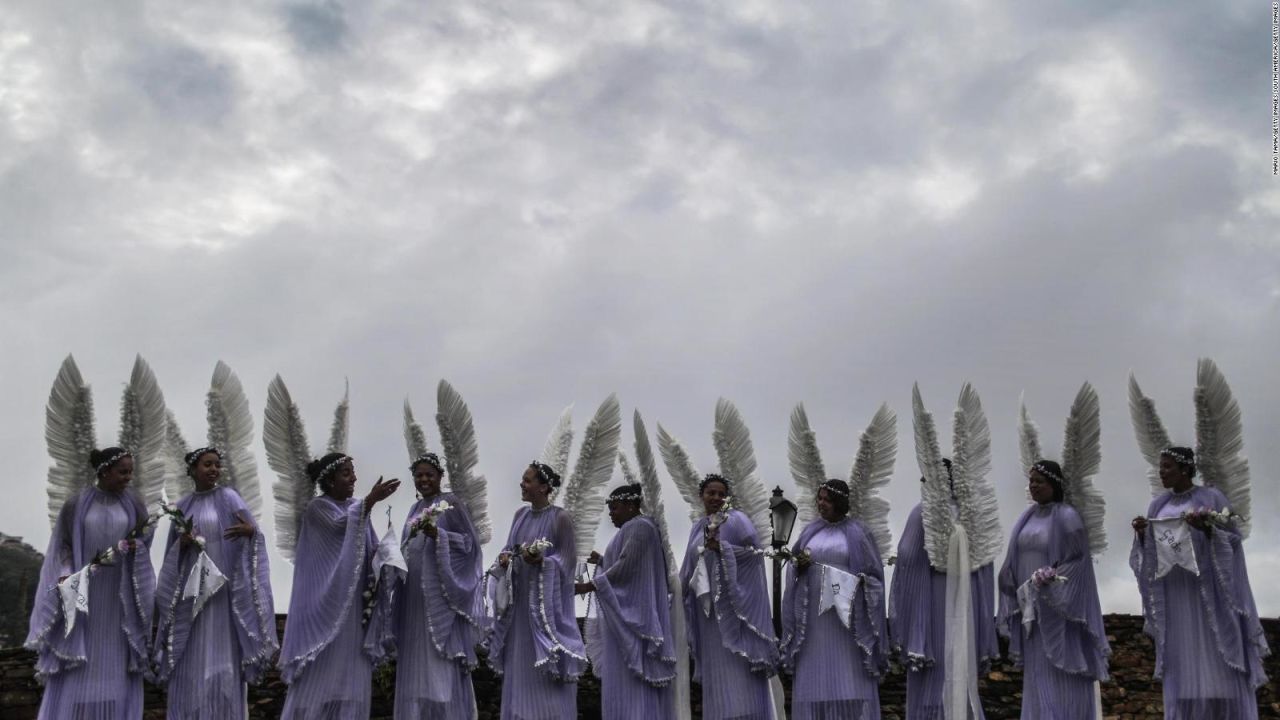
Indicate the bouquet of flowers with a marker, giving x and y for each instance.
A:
(184, 524)
(427, 518)
(1047, 575)
(536, 547)
(1210, 517)
(718, 518)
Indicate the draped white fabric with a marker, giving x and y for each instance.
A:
(960, 693)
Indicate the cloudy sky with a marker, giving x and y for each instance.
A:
(548, 202)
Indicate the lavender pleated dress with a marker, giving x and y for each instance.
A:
(634, 657)
(536, 644)
(1209, 643)
(96, 672)
(917, 605)
(837, 669)
(734, 649)
(207, 662)
(328, 654)
(1064, 649)
(437, 614)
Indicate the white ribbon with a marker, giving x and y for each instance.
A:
(680, 638)
(74, 591)
(838, 589)
(203, 581)
(701, 585)
(960, 688)
(1173, 546)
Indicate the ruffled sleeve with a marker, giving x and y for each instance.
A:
(450, 593)
(741, 599)
(911, 598)
(632, 594)
(558, 646)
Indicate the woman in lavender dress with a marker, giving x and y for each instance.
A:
(1209, 643)
(95, 670)
(437, 609)
(1049, 605)
(634, 659)
(328, 653)
(536, 645)
(727, 607)
(837, 666)
(205, 659)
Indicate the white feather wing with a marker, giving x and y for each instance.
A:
(584, 491)
(288, 453)
(176, 482)
(339, 434)
(1081, 461)
(1028, 438)
(415, 440)
(142, 432)
(556, 451)
(462, 454)
(68, 431)
(1150, 432)
(935, 491)
(871, 471)
(1220, 441)
(231, 430)
(652, 489)
(971, 467)
(732, 441)
(682, 471)
(806, 465)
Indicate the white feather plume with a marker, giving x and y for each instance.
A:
(682, 471)
(176, 482)
(339, 433)
(652, 489)
(628, 475)
(935, 491)
(1028, 438)
(68, 431)
(415, 440)
(231, 430)
(462, 454)
(737, 457)
(583, 493)
(1220, 441)
(288, 453)
(1150, 432)
(872, 469)
(971, 466)
(1081, 461)
(142, 432)
(806, 465)
(556, 452)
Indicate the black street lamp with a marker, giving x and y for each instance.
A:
(782, 518)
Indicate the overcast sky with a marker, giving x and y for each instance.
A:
(548, 202)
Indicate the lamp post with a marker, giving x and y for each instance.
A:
(782, 518)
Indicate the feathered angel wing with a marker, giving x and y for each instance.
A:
(652, 489)
(806, 464)
(583, 492)
(682, 471)
(68, 430)
(231, 429)
(556, 452)
(288, 454)
(1150, 432)
(1028, 438)
(462, 454)
(339, 433)
(1081, 460)
(142, 431)
(872, 468)
(935, 491)
(971, 467)
(738, 463)
(176, 482)
(1220, 441)
(415, 440)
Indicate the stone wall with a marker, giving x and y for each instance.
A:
(1131, 695)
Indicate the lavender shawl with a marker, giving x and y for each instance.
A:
(1068, 614)
(248, 574)
(868, 631)
(740, 595)
(67, 553)
(1223, 586)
